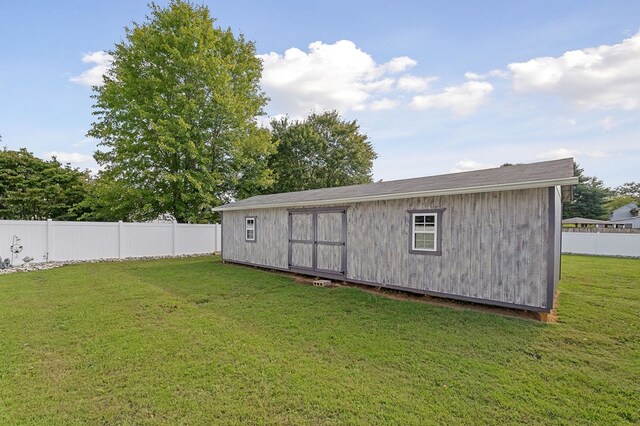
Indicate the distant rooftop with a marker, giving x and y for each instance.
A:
(585, 221)
(520, 176)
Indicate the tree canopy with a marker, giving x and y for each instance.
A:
(618, 201)
(627, 193)
(36, 189)
(629, 189)
(321, 151)
(589, 197)
(176, 119)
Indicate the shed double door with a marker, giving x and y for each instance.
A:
(318, 241)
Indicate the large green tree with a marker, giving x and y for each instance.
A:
(628, 189)
(319, 152)
(589, 197)
(176, 119)
(36, 189)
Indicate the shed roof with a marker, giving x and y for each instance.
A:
(520, 176)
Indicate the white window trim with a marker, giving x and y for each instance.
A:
(434, 232)
(250, 227)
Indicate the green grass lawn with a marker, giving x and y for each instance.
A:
(196, 341)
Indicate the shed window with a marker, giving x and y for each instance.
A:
(425, 229)
(250, 229)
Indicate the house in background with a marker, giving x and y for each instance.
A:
(628, 214)
(581, 223)
(488, 236)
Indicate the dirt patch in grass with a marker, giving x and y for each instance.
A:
(444, 302)
(431, 300)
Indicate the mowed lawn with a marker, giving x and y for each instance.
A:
(195, 341)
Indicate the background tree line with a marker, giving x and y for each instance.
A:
(593, 200)
(176, 121)
(35, 189)
(320, 151)
(177, 125)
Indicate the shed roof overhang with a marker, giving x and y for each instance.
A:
(412, 194)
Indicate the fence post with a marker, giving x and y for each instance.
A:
(174, 226)
(215, 237)
(49, 240)
(120, 239)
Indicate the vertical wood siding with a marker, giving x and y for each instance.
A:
(272, 238)
(494, 244)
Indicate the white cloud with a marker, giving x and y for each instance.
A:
(399, 64)
(493, 73)
(605, 77)
(69, 157)
(411, 83)
(468, 165)
(556, 153)
(607, 123)
(264, 121)
(383, 104)
(329, 76)
(461, 100)
(566, 152)
(93, 76)
(384, 85)
(596, 154)
(473, 76)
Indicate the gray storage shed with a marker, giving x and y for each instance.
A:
(490, 236)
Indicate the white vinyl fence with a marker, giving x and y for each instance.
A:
(49, 240)
(603, 244)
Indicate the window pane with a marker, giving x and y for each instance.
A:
(424, 231)
(420, 243)
(429, 241)
(250, 234)
(424, 223)
(425, 241)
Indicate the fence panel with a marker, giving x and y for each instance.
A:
(603, 244)
(62, 241)
(33, 237)
(192, 239)
(147, 239)
(84, 240)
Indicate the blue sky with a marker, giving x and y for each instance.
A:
(437, 86)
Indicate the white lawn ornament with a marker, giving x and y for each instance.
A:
(16, 248)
